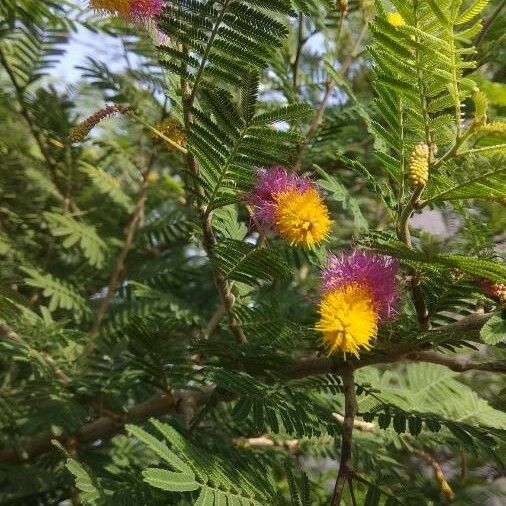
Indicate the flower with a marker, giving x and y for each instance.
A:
(290, 204)
(373, 270)
(395, 19)
(418, 169)
(79, 132)
(359, 290)
(133, 9)
(302, 218)
(171, 128)
(141, 9)
(272, 182)
(120, 7)
(347, 318)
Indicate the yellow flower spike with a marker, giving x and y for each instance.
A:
(115, 6)
(418, 168)
(348, 319)
(302, 217)
(395, 19)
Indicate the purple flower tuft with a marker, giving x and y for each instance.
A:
(145, 9)
(375, 271)
(270, 182)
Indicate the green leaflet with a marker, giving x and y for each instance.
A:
(108, 185)
(494, 331)
(219, 481)
(60, 293)
(91, 493)
(78, 232)
(338, 192)
(473, 266)
(489, 186)
(167, 480)
(244, 262)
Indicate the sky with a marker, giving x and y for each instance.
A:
(85, 43)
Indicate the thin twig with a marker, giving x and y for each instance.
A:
(404, 235)
(209, 241)
(112, 286)
(298, 52)
(214, 322)
(488, 24)
(345, 462)
(352, 493)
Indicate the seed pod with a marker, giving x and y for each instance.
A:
(418, 168)
(81, 130)
(342, 5)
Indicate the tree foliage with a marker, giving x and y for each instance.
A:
(157, 346)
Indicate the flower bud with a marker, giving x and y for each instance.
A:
(418, 168)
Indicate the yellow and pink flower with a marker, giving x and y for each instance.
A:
(136, 10)
(359, 290)
(291, 205)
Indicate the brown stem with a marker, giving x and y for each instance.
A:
(209, 241)
(404, 235)
(106, 427)
(457, 364)
(130, 230)
(438, 474)
(345, 462)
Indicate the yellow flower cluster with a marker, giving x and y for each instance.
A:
(395, 19)
(418, 168)
(302, 218)
(120, 7)
(173, 130)
(348, 320)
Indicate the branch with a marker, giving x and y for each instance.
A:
(187, 402)
(106, 427)
(292, 445)
(130, 230)
(345, 462)
(457, 364)
(209, 241)
(438, 474)
(329, 87)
